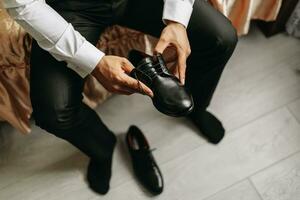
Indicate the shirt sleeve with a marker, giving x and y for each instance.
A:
(178, 10)
(54, 34)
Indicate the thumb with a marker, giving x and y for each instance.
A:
(136, 85)
(161, 46)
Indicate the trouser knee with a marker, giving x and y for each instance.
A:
(57, 121)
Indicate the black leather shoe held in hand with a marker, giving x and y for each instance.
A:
(170, 97)
(144, 165)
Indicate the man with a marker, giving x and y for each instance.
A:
(63, 54)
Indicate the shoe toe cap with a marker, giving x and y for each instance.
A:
(186, 103)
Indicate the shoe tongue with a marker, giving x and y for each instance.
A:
(142, 151)
(146, 62)
(143, 155)
(153, 65)
(159, 59)
(147, 66)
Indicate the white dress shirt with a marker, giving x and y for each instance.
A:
(55, 35)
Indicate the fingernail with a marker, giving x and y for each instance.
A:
(151, 94)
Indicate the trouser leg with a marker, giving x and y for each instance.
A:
(56, 95)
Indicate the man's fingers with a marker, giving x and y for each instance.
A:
(182, 67)
(116, 89)
(123, 90)
(146, 89)
(136, 85)
(176, 71)
(161, 46)
(181, 64)
(127, 66)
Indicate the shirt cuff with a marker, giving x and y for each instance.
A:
(178, 11)
(86, 59)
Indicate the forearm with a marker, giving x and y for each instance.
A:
(54, 34)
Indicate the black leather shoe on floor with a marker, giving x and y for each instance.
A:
(144, 164)
(170, 97)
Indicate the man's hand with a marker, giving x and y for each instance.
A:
(112, 72)
(174, 34)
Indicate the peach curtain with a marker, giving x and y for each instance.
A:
(240, 12)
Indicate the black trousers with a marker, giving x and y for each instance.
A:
(56, 90)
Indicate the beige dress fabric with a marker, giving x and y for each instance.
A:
(15, 45)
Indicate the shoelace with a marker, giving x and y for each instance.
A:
(149, 162)
(159, 70)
